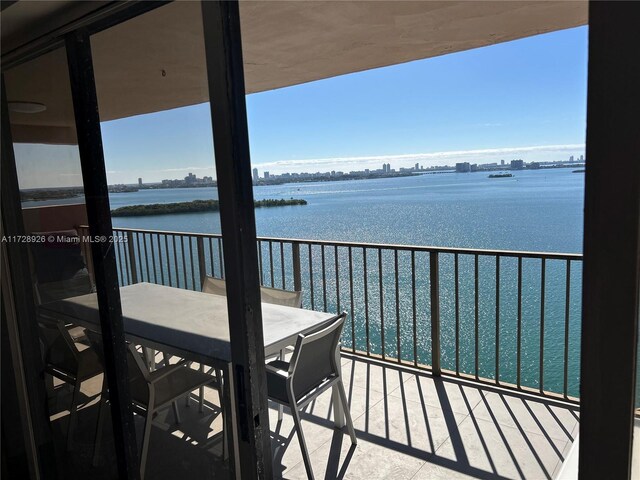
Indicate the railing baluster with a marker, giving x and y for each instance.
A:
(127, 260)
(282, 264)
(456, 279)
(184, 262)
(118, 250)
(519, 326)
(311, 277)
(166, 249)
(193, 273)
(543, 268)
(260, 267)
(414, 308)
(398, 339)
(271, 262)
(297, 276)
(497, 320)
(160, 258)
(353, 318)
(335, 256)
(324, 278)
(139, 256)
(477, 315)
(221, 262)
(434, 280)
(380, 286)
(175, 260)
(153, 259)
(202, 266)
(146, 256)
(566, 329)
(211, 262)
(366, 299)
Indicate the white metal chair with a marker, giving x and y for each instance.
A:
(275, 296)
(314, 367)
(153, 391)
(215, 286)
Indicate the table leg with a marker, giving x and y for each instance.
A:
(338, 410)
(231, 433)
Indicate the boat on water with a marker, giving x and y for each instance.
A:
(501, 175)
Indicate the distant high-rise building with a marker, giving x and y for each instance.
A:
(502, 162)
(463, 167)
(140, 181)
(582, 158)
(571, 158)
(384, 168)
(266, 175)
(255, 174)
(388, 168)
(517, 164)
(190, 179)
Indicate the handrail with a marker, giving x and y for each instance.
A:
(385, 246)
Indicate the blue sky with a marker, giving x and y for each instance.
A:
(521, 99)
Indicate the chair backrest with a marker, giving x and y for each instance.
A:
(281, 297)
(59, 268)
(217, 286)
(314, 357)
(60, 352)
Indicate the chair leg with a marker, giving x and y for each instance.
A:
(167, 359)
(188, 396)
(146, 437)
(303, 445)
(347, 413)
(176, 414)
(73, 413)
(280, 406)
(201, 392)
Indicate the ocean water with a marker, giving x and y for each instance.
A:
(534, 210)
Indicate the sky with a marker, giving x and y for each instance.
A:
(521, 99)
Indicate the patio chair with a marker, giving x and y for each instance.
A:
(274, 296)
(314, 367)
(153, 391)
(59, 271)
(213, 285)
(65, 361)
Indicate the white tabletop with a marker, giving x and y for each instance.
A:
(185, 322)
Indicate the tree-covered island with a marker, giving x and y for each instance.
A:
(194, 206)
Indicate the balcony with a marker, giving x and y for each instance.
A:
(411, 421)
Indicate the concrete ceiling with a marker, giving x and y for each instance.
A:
(156, 61)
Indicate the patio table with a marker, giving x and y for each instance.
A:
(194, 326)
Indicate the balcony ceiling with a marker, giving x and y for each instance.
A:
(285, 43)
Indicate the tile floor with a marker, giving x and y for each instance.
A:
(409, 426)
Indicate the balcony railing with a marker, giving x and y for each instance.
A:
(508, 318)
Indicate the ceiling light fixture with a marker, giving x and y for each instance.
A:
(26, 107)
